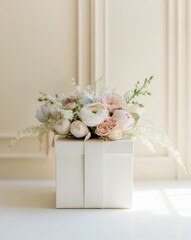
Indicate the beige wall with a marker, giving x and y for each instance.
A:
(45, 42)
(38, 52)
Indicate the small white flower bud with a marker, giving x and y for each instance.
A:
(78, 129)
(116, 133)
(62, 126)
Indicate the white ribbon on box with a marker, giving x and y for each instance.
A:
(93, 174)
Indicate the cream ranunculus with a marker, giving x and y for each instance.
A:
(78, 129)
(115, 133)
(93, 114)
(62, 126)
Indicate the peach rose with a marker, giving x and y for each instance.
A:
(103, 129)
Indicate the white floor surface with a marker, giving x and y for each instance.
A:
(161, 211)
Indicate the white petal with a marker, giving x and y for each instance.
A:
(93, 114)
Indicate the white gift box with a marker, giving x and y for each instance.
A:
(93, 173)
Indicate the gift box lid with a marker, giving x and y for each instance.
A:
(76, 146)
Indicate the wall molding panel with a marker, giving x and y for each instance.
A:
(183, 83)
(98, 44)
(177, 83)
(188, 156)
(84, 42)
(28, 163)
(188, 86)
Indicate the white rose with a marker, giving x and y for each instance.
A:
(116, 133)
(43, 113)
(62, 126)
(78, 129)
(93, 114)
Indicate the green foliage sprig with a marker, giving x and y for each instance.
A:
(139, 90)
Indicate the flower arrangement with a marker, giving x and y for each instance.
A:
(98, 112)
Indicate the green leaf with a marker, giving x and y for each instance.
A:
(135, 116)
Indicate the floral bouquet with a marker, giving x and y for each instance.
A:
(98, 112)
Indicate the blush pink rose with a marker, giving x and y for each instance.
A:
(103, 129)
(111, 121)
(70, 105)
(112, 102)
(124, 119)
